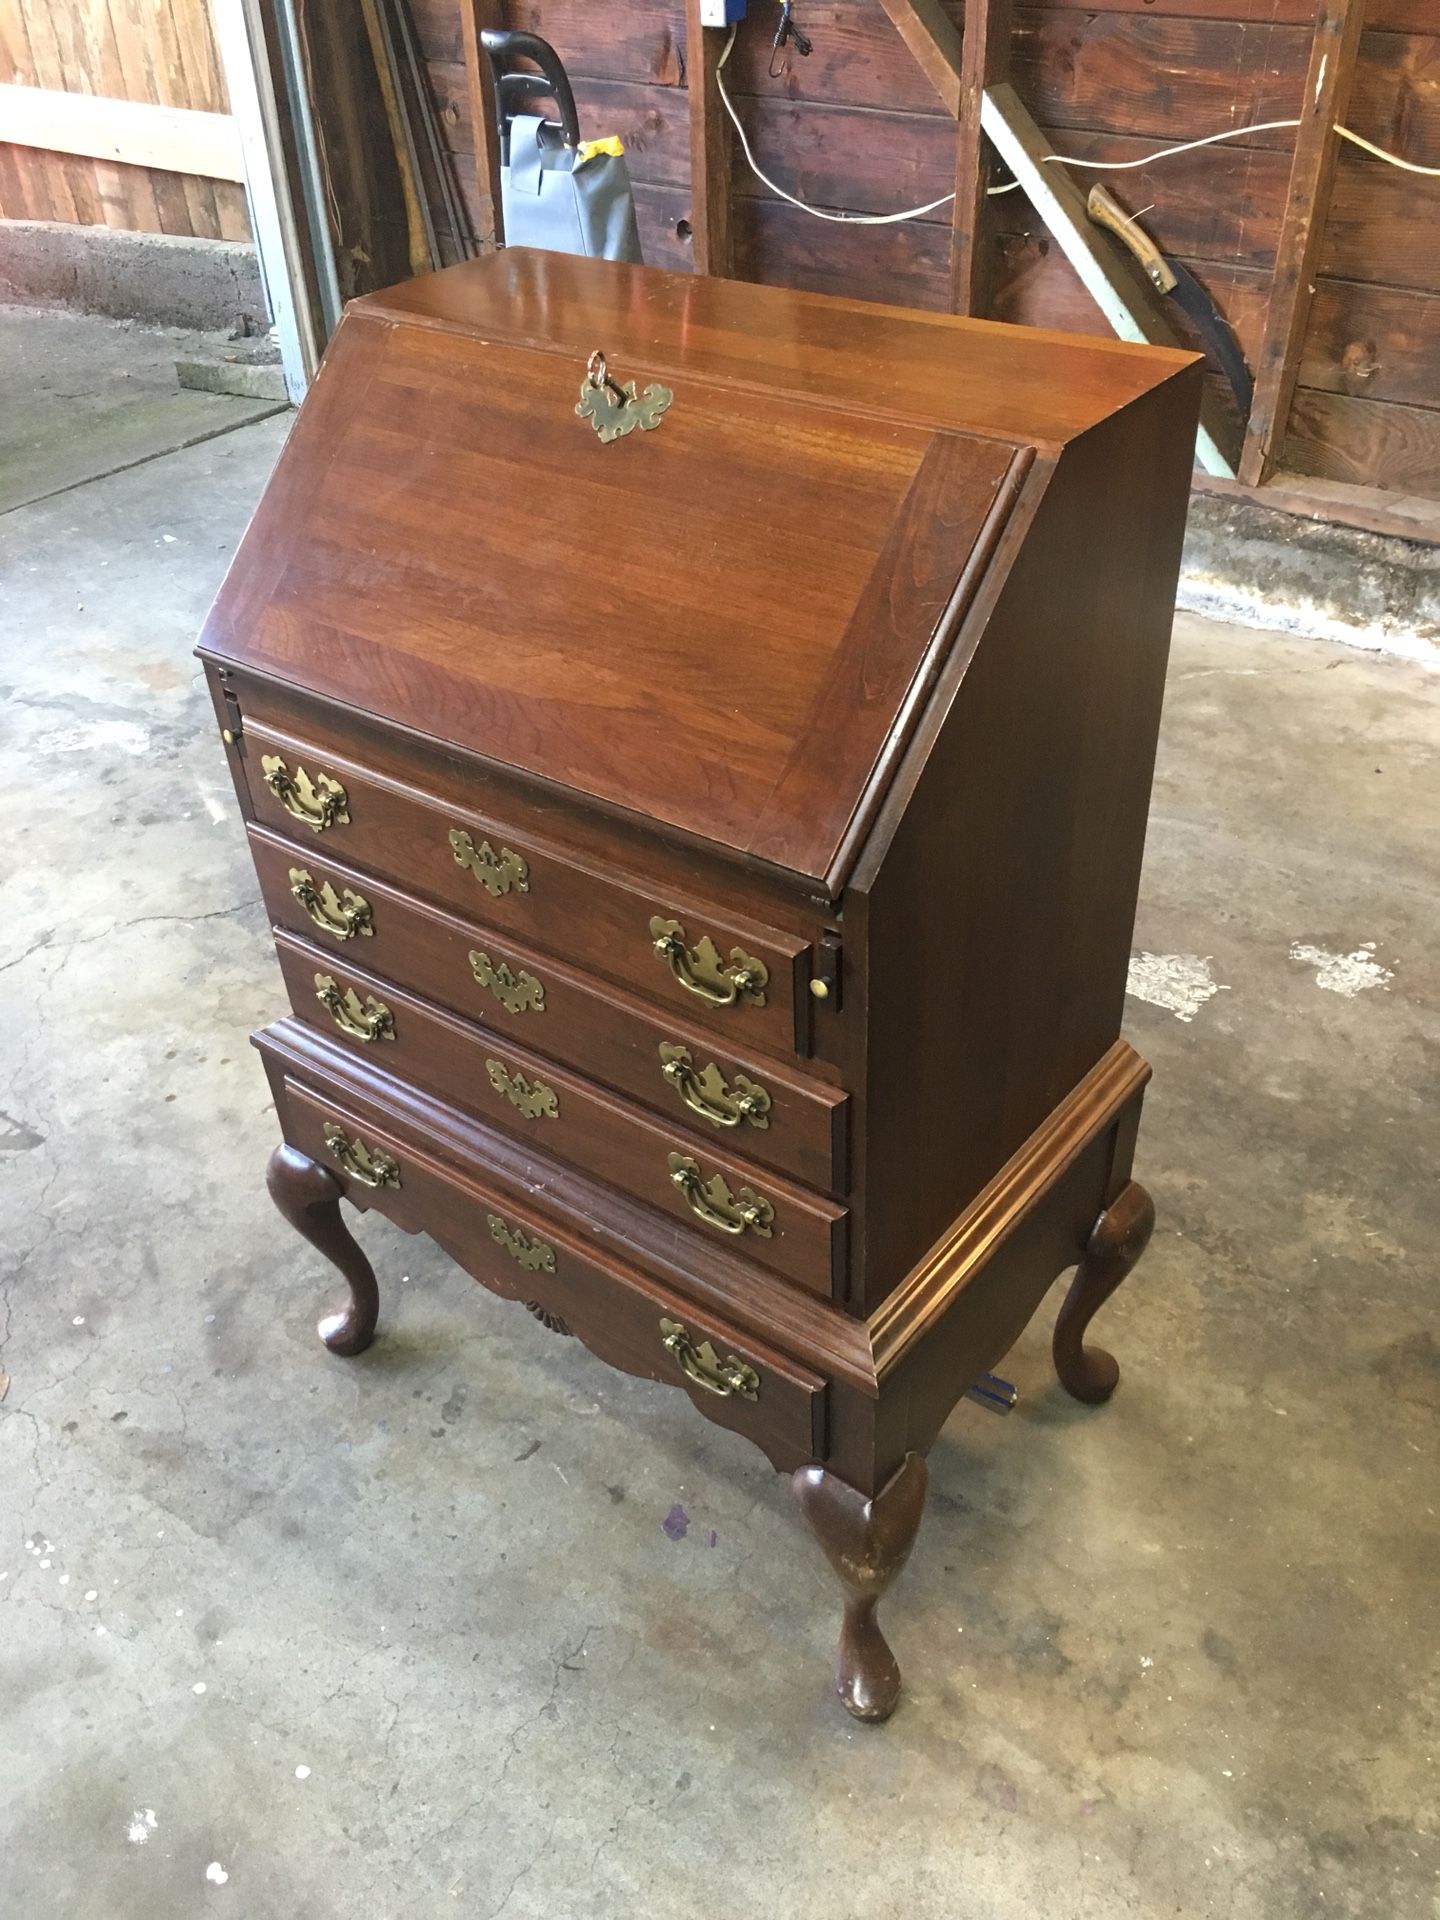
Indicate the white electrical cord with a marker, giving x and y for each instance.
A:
(1186, 146)
(844, 219)
(1410, 166)
(1051, 159)
(1233, 133)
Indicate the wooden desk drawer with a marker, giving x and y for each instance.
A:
(561, 1116)
(622, 1315)
(607, 1034)
(507, 880)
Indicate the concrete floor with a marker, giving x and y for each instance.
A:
(403, 1636)
(81, 396)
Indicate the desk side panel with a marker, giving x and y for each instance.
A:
(997, 914)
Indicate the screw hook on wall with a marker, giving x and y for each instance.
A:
(787, 35)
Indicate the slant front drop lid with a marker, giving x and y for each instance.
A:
(695, 743)
(755, 582)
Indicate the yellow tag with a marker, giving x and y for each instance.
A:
(612, 145)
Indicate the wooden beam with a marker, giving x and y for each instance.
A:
(1127, 299)
(984, 63)
(711, 149)
(1338, 503)
(174, 139)
(420, 231)
(934, 41)
(477, 17)
(1312, 175)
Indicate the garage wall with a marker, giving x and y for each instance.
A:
(857, 126)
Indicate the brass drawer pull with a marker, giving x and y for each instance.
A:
(320, 803)
(344, 914)
(369, 1165)
(497, 873)
(530, 1097)
(712, 1201)
(517, 992)
(700, 970)
(706, 1093)
(372, 1021)
(705, 1367)
(533, 1255)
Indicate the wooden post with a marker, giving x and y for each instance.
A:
(711, 149)
(934, 42)
(1110, 275)
(1121, 291)
(1312, 174)
(477, 17)
(984, 62)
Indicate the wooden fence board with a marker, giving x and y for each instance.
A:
(161, 52)
(985, 55)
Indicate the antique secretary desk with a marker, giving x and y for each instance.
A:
(699, 788)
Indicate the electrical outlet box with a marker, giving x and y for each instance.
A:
(721, 13)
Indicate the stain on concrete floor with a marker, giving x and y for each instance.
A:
(407, 1635)
(84, 397)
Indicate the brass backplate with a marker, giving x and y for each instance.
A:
(705, 1092)
(371, 1166)
(712, 1201)
(517, 992)
(319, 803)
(701, 971)
(367, 1020)
(344, 914)
(699, 1362)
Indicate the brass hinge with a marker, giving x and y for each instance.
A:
(825, 975)
(232, 730)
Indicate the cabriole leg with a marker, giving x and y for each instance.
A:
(309, 1198)
(1118, 1239)
(867, 1542)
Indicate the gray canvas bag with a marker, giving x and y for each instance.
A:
(552, 198)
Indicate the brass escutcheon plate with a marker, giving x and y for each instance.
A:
(497, 873)
(530, 1097)
(517, 992)
(615, 410)
(533, 1255)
